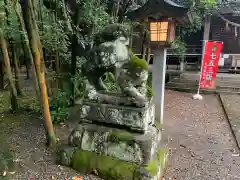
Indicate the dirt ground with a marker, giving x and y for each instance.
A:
(202, 146)
(25, 134)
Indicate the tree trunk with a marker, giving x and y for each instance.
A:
(148, 55)
(40, 69)
(143, 50)
(28, 49)
(58, 71)
(131, 37)
(73, 67)
(1, 76)
(57, 60)
(6, 60)
(42, 49)
(17, 71)
(26, 63)
(74, 57)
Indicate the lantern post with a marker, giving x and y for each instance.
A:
(162, 34)
(162, 16)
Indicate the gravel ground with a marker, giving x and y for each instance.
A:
(26, 135)
(231, 104)
(34, 161)
(202, 146)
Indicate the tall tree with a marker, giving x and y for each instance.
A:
(40, 69)
(16, 70)
(13, 48)
(6, 59)
(27, 47)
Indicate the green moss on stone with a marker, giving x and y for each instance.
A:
(149, 81)
(137, 62)
(159, 161)
(150, 91)
(64, 156)
(111, 168)
(107, 167)
(158, 124)
(123, 136)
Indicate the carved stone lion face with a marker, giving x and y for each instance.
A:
(124, 40)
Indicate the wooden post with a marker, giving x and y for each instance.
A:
(207, 23)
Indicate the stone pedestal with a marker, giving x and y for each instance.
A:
(129, 117)
(118, 142)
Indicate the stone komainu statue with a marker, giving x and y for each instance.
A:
(110, 53)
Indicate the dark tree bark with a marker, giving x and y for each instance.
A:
(74, 57)
(25, 56)
(1, 76)
(16, 70)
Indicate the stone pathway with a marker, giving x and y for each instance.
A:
(201, 142)
(231, 104)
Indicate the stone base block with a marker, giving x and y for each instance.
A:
(131, 117)
(111, 168)
(121, 144)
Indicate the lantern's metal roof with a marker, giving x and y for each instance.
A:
(159, 8)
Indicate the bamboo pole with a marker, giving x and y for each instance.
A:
(40, 70)
(6, 60)
(27, 46)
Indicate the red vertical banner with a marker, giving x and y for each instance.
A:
(211, 56)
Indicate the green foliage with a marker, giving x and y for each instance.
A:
(179, 46)
(94, 13)
(12, 30)
(54, 38)
(59, 105)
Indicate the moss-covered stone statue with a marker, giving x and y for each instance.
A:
(110, 54)
(116, 135)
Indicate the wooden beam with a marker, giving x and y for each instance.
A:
(229, 22)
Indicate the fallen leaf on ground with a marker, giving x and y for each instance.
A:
(77, 178)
